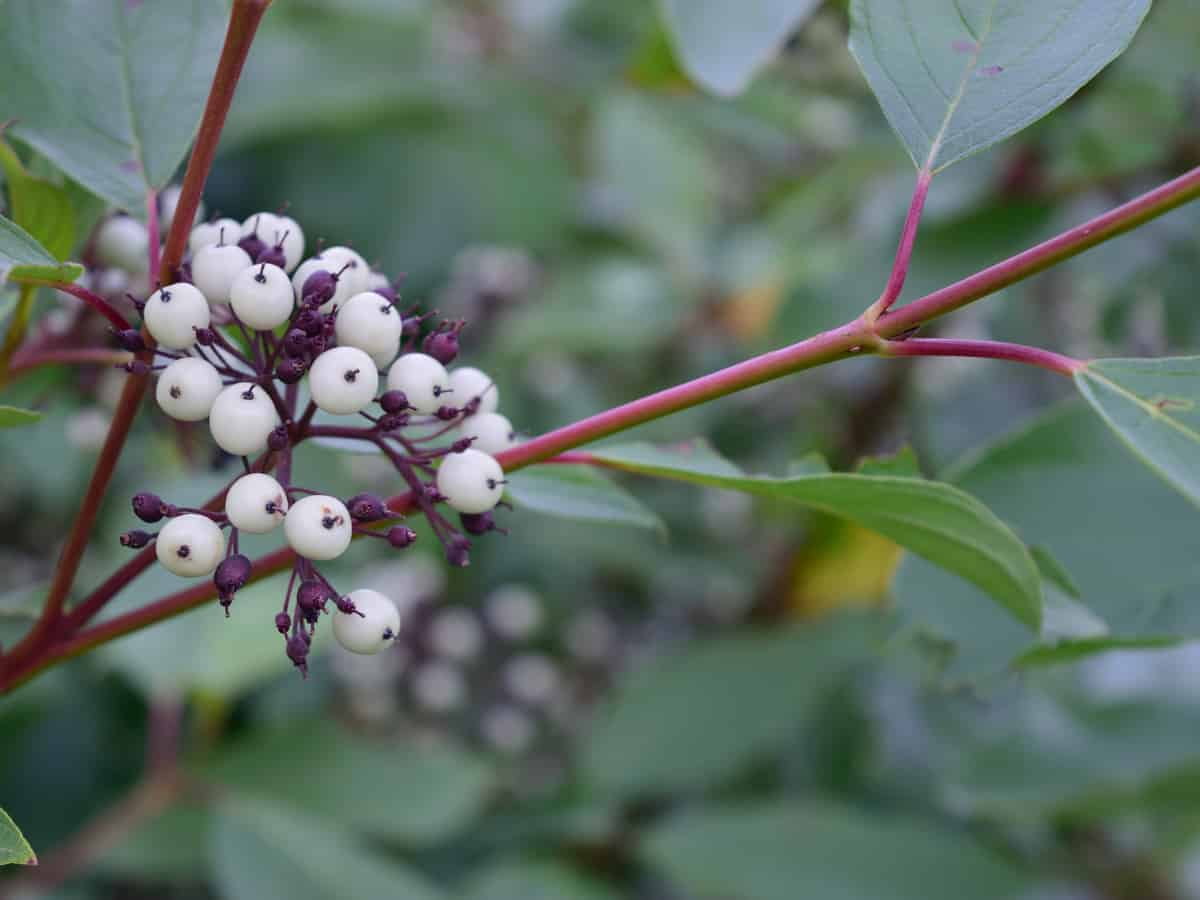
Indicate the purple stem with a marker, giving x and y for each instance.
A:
(1034, 356)
(908, 238)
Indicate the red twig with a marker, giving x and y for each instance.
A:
(1034, 356)
(908, 239)
(95, 301)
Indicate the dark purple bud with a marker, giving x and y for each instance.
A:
(319, 287)
(442, 346)
(279, 439)
(283, 622)
(367, 508)
(135, 367)
(130, 339)
(346, 605)
(311, 616)
(477, 523)
(412, 327)
(297, 651)
(400, 536)
(170, 510)
(447, 413)
(147, 506)
(295, 342)
(205, 337)
(311, 595)
(388, 293)
(290, 369)
(136, 539)
(253, 245)
(458, 551)
(272, 256)
(310, 321)
(462, 444)
(317, 344)
(393, 402)
(232, 574)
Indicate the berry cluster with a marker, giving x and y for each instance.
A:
(246, 324)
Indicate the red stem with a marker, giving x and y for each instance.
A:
(95, 301)
(908, 238)
(826, 347)
(243, 24)
(1083, 237)
(1034, 356)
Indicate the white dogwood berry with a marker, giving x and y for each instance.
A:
(263, 224)
(187, 388)
(423, 380)
(342, 292)
(373, 625)
(124, 242)
(371, 323)
(456, 634)
(472, 482)
(377, 280)
(261, 296)
(468, 383)
(318, 527)
(514, 611)
(256, 503)
(190, 545)
(357, 273)
(206, 234)
(242, 418)
(290, 236)
(531, 678)
(343, 380)
(215, 267)
(492, 432)
(168, 202)
(172, 314)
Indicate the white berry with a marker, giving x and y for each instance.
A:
(371, 323)
(468, 383)
(255, 503)
(377, 280)
(292, 237)
(173, 313)
(242, 418)
(514, 611)
(343, 380)
(343, 289)
(456, 634)
(531, 678)
(318, 527)
(356, 273)
(187, 388)
(206, 234)
(493, 432)
(190, 545)
(215, 267)
(261, 296)
(168, 202)
(439, 686)
(263, 224)
(422, 379)
(372, 627)
(124, 242)
(472, 482)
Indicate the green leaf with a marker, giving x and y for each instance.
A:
(15, 417)
(24, 258)
(824, 852)
(170, 846)
(1133, 565)
(579, 493)
(43, 209)
(264, 852)
(394, 790)
(519, 880)
(954, 78)
(723, 45)
(110, 92)
(14, 849)
(705, 713)
(1152, 406)
(935, 520)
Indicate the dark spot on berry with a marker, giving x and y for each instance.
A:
(164, 296)
(175, 392)
(331, 522)
(351, 375)
(248, 394)
(184, 551)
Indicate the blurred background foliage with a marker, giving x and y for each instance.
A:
(690, 694)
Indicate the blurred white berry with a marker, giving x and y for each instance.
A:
(492, 432)
(531, 678)
(124, 242)
(507, 729)
(455, 633)
(468, 383)
(439, 686)
(514, 611)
